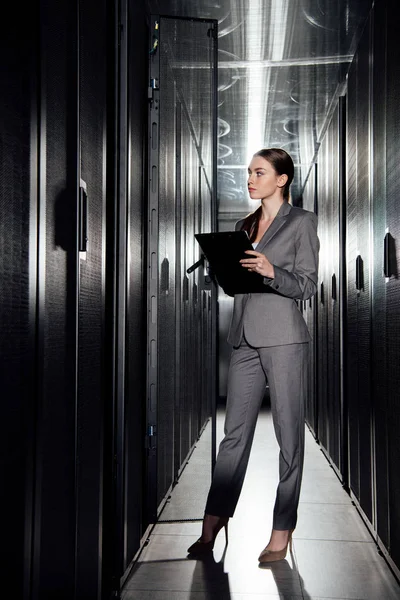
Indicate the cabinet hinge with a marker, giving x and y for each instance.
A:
(152, 87)
(151, 438)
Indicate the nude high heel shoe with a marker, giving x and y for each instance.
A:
(202, 548)
(268, 556)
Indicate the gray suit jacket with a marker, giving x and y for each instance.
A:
(273, 319)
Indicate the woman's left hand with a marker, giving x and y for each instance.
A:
(258, 263)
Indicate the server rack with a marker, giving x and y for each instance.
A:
(181, 308)
(368, 284)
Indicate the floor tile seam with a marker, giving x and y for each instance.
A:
(176, 520)
(161, 591)
(334, 597)
(153, 589)
(327, 503)
(308, 469)
(253, 594)
(183, 535)
(295, 538)
(232, 592)
(339, 541)
(233, 595)
(268, 503)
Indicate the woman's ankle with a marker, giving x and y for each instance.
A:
(211, 525)
(279, 539)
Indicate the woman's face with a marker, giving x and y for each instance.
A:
(263, 181)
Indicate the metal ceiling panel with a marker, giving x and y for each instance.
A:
(282, 65)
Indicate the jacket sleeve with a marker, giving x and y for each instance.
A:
(301, 283)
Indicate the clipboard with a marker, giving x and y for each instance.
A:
(223, 250)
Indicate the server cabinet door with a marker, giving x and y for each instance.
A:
(125, 344)
(393, 283)
(57, 303)
(333, 441)
(72, 103)
(379, 322)
(18, 291)
(329, 400)
(91, 301)
(323, 292)
(358, 279)
(310, 315)
(181, 202)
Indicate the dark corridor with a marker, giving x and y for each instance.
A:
(126, 128)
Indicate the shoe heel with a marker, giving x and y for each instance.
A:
(203, 548)
(226, 534)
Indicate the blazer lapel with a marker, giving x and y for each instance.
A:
(275, 226)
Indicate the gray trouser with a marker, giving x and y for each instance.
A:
(286, 368)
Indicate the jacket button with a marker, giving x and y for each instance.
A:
(276, 287)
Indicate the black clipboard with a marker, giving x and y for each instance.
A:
(223, 251)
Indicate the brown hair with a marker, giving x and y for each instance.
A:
(282, 163)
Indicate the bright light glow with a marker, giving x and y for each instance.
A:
(279, 10)
(256, 83)
(259, 79)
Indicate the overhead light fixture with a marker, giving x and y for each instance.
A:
(259, 79)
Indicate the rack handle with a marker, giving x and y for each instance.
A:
(334, 287)
(83, 219)
(359, 273)
(389, 256)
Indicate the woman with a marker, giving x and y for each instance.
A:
(270, 342)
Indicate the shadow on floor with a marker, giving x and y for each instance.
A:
(283, 574)
(215, 580)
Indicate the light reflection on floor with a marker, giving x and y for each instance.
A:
(334, 556)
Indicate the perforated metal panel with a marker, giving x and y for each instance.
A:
(134, 510)
(329, 196)
(393, 286)
(379, 304)
(324, 198)
(181, 203)
(334, 400)
(91, 380)
(358, 305)
(351, 252)
(310, 315)
(364, 297)
(57, 317)
(167, 276)
(335, 403)
(18, 197)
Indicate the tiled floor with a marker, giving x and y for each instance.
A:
(333, 556)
